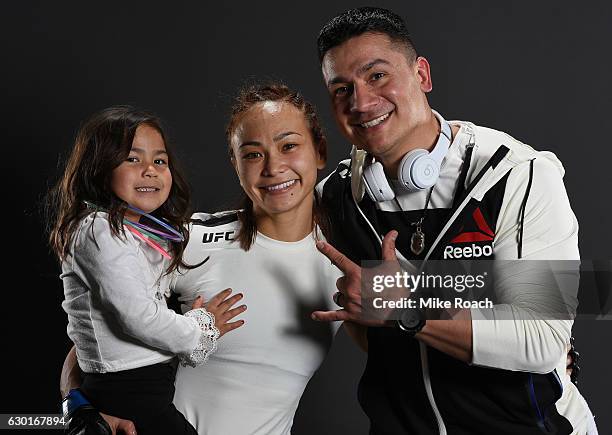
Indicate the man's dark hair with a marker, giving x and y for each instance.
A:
(358, 21)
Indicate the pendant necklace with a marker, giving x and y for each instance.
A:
(417, 240)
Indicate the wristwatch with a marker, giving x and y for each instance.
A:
(411, 321)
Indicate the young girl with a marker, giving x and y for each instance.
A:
(119, 232)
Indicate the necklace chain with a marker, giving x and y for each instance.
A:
(417, 240)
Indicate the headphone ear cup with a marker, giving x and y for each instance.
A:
(425, 172)
(376, 183)
(420, 169)
(406, 169)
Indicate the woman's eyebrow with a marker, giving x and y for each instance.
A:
(254, 143)
(275, 139)
(283, 135)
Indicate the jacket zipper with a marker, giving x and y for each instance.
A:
(423, 347)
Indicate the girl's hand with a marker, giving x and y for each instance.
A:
(220, 306)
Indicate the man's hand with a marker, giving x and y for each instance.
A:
(349, 295)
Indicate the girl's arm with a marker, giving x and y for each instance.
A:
(112, 270)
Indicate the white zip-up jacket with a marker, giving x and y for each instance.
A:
(514, 197)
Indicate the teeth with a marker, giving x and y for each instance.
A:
(146, 189)
(376, 121)
(280, 186)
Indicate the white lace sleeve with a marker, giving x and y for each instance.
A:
(208, 339)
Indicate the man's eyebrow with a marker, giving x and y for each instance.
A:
(336, 80)
(283, 135)
(362, 69)
(368, 66)
(155, 153)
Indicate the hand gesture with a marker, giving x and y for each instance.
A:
(349, 295)
(220, 306)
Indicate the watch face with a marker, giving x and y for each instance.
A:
(410, 319)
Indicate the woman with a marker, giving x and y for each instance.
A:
(253, 382)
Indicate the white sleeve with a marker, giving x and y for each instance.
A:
(518, 334)
(110, 267)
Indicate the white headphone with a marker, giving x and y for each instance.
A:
(418, 170)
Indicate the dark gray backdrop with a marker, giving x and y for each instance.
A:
(538, 70)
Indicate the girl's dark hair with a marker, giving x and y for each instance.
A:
(248, 97)
(104, 142)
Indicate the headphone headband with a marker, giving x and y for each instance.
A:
(444, 139)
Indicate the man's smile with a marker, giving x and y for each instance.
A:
(375, 121)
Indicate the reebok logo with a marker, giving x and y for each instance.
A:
(215, 237)
(483, 233)
(473, 251)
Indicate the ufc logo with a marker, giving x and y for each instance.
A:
(215, 237)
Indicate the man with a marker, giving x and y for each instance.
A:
(494, 196)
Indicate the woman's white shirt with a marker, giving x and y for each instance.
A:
(253, 382)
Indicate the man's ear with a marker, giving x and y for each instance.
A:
(322, 154)
(424, 74)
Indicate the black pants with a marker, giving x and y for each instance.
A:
(143, 395)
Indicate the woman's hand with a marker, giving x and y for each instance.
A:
(118, 425)
(220, 306)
